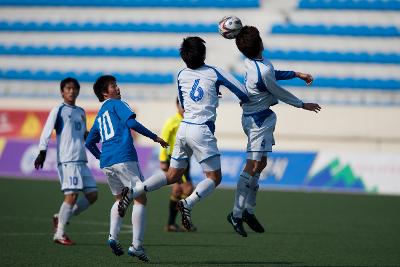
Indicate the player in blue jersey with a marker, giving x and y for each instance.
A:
(69, 121)
(258, 122)
(198, 91)
(119, 161)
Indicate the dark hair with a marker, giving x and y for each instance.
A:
(248, 41)
(193, 52)
(177, 101)
(69, 80)
(101, 85)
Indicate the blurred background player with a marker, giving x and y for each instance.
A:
(184, 187)
(69, 121)
(119, 160)
(198, 91)
(258, 122)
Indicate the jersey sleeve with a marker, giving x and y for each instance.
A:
(124, 111)
(232, 84)
(92, 139)
(48, 129)
(284, 75)
(165, 135)
(279, 92)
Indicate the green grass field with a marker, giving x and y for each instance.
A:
(303, 229)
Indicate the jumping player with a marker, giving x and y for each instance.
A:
(258, 122)
(198, 90)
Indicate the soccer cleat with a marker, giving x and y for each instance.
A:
(139, 253)
(237, 224)
(185, 212)
(116, 247)
(124, 202)
(192, 229)
(55, 222)
(172, 228)
(64, 240)
(252, 222)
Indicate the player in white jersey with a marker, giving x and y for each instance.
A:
(198, 90)
(69, 121)
(258, 122)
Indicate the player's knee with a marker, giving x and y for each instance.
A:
(71, 198)
(92, 197)
(176, 191)
(187, 188)
(142, 199)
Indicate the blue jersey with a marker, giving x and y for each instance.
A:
(110, 128)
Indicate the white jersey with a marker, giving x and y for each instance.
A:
(263, 89)
(70, 125)
(198, 92)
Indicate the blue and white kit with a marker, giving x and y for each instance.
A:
(70, 125)
(118, 158)
(258, 120)
(198, 91)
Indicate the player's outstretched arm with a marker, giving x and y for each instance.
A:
(138, 127)
(312, 107)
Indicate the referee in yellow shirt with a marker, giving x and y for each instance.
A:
(185, 187)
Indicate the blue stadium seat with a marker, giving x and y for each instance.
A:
(334, 56)
(167, 52)
(41, 75)
(168, 78)
(137, 3)
(340, 30)
(388, 5)
(109, 27)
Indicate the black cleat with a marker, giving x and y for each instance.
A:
(252, 222)
(186, 216)
(237, 224)
(124, 202)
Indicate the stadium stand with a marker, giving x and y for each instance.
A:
(140, 44)
(350, 4)
(108, 27)
(353, 30)
(137, 3)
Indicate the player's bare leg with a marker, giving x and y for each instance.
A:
(64, 214)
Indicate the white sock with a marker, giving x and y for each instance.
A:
(81, 205)
(138, 224)
(63, 217)
(155, 182)
(115, 221)
(242, 191)
(251, 197)
(203, 189)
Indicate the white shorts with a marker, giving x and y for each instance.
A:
(76, 177)
(120, 175)
(260, 138)
(197, 140)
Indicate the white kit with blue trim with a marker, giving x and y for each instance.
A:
(70, 125)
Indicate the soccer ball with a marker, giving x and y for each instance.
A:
(229, 26)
